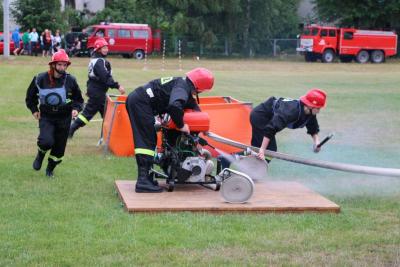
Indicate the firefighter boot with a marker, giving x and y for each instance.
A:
(74, 126)
(37, 163)
(150, 176)
(144, 183)
(50, 168)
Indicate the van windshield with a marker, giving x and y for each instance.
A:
(311, 31)
(89, 30)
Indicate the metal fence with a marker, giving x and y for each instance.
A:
(223, 47)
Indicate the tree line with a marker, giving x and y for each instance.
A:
(244, 26)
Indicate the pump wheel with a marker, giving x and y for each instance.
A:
(362, 56)
(328, 56)
(377, 56)
(138, 54)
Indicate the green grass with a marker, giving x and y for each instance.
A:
(77, 219)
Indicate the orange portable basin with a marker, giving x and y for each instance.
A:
(227, 117)
(117, 132)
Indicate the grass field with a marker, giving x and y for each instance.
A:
(76, 219)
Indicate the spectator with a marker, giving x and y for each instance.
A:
(83, 37)
(56, 41)
(69, 40)
(76, 47)
(100, 33)
(34, 37)
(16, 39)
(46, 39)
(26, 39)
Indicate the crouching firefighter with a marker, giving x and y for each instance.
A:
(53, 97)
(165, 95)
(276, 114)
(99, 80)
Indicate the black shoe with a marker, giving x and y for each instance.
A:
(148, 187)
(151, 178)
(37, 163)
(51, 165)
(145, 184)
(49, 173)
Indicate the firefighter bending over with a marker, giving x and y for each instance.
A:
(100, 79)
(274, 115)
(165, 95)
(59, 98)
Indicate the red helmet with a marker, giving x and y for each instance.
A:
(315, 98)
(202, 79)
(99, 43)
(60, 56)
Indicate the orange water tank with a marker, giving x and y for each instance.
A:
(197, 121)
(221, 115)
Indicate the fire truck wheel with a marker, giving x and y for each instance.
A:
(362, 56)
(138, 54)
(328, 56)
(377, 56)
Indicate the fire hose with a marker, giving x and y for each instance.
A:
(316, 163)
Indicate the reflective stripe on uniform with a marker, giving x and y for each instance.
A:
(165, 80)
(68, 100)
(41, 150)
(144, 151)
(55, 158)
(83, 119)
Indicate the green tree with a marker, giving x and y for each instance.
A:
(367, 14)
(237, 25)
(39, 14)
(262, 21)
(1, 15)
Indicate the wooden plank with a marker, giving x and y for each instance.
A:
(269, 196)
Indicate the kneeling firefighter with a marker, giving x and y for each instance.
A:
(275, 114)
(165, 95)
(53, 97)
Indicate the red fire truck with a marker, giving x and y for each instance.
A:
(127, 39)
(325, 43)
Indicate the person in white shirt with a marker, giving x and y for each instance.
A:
(56, 41)
(34, 36)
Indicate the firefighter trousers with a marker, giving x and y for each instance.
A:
(141, 116)
(95, 104)
(53, 136)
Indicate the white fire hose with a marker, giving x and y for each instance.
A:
(316, 163)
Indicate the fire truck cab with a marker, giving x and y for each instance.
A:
(127, 39)
(327, 43)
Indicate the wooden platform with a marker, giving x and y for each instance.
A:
(277, 196)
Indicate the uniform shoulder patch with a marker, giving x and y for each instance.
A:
(165, 80)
